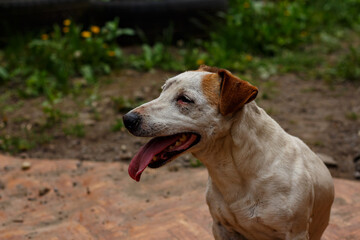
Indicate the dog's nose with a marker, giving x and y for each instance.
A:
(132, 121)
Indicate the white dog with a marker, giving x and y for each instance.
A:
(263, 183)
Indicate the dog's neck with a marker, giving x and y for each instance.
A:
(232, 163)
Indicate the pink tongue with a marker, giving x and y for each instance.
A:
(146, 153)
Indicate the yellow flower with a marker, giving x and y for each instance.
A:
(86, 34)
(303, 34)
(95, 29)
(67, 22)
(66, 29)
(44, 37)
(248, 57)
(200, 62)
(246, 5)
(111, 53)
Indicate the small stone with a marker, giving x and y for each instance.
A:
(79, 164)
(107, 101)
(357, 174)
(43, 191)
(126, 156)
(2, 185)
(25, 166)
(139, 96)
(173, 168)
(18, 220)
(89, 122)
(146, 89)
(123, 148)
(24, 155)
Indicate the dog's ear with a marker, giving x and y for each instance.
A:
(206, 68)
(234, 92)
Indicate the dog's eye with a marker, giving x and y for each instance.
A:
(184, 99)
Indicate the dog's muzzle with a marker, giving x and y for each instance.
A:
(132, 121)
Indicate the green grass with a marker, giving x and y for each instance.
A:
(123, 105)
(349, 65)
(117, 126)
(353, 116)
(16, 144)
(195, 163)
(76, 130)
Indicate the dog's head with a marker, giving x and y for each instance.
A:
(189, 113)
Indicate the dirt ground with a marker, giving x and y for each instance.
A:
(70, 199)
(326, 117)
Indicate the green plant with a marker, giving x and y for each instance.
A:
(331, 14)
(117, 126)
(29, 140)
(124, 105)
(14, 144)
(4, 75)
(52, 114)
(76, 130)
(296, 62)
(156, 56)
(352, 116)
(49, 62)
(193, 57)
(349, 66)
(195, 163)
(263, 27)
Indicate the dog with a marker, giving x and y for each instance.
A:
(263, 183)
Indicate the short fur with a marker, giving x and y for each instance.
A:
(263, 183)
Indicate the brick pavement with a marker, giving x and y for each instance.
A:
(67, 199)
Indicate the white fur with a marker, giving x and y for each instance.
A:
(263, 183)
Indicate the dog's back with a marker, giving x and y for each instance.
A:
(285, 192)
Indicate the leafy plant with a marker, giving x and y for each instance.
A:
(195, 163)
(124, 105)
(263, 27)
(118, 125)
(4, 75)
(48, 63)
(349, 66)
(156, 56)
(14, 144)
(52, 114)
(76, 130)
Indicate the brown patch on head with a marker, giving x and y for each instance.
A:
(211, 88)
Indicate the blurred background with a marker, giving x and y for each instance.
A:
(70, 69)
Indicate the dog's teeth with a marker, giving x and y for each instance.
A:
(154, 158)
(177, 143)
(171, 147)
(183, 138)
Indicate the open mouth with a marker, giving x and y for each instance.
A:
(161, 150)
